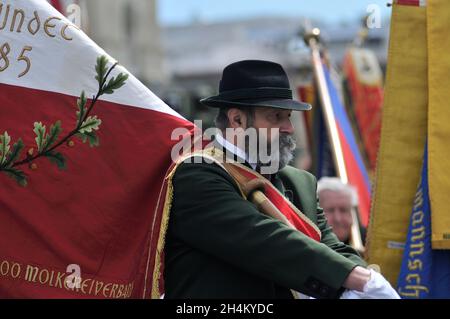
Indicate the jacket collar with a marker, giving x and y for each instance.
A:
(231, 149)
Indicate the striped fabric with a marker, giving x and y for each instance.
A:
(417, 3)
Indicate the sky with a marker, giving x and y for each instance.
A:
(180, 12)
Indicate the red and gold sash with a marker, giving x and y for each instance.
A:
(240, 174)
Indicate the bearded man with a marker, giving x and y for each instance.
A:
(218, 243)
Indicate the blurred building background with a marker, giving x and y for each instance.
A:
(183, 63)
(128, 30)
(197, 53)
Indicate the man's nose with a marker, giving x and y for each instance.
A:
(287, 127)
(338, 218)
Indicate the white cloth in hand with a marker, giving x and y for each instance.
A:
(376, 288)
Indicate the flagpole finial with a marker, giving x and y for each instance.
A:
(313, 33)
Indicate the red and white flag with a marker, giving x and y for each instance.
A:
(96, 218)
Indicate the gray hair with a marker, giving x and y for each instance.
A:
(334, 184)
(222, 122)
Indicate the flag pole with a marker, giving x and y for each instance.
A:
(312, 40)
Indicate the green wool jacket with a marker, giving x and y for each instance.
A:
(218, 245)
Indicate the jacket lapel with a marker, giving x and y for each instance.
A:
(302, 186)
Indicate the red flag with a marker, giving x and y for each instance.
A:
(99, 213)
(57, 5)
(365, 87)
(416, 3)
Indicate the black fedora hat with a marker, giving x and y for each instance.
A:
(255, 83)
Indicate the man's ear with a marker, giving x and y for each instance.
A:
(237, 118)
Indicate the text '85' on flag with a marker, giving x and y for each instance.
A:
(97, 211)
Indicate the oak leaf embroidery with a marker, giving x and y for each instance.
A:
(49, 141)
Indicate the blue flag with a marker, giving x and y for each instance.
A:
(323, 163)
(425, 273)
(354, 164)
